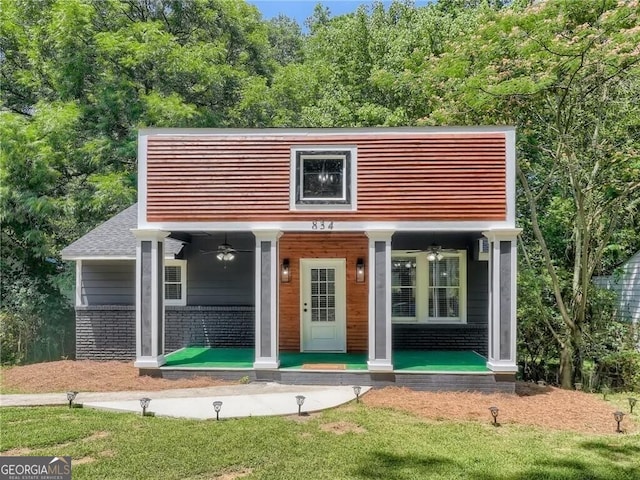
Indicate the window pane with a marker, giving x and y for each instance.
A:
(403, 302)
(403, 283)
(403, 271)
(172, 273)
(172, 291)
(322, 178)
(444, 302)
(445, 272)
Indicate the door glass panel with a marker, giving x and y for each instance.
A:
(323, 299)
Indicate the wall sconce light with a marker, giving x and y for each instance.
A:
(360, 270)
(285, 271)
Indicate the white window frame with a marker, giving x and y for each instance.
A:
(348, 153)
(182, 301)
(423, 286)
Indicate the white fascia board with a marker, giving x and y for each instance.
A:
(314, 132)
(338, 226)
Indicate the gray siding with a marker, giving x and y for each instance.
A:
(212, 282)
(626, 283)
(108, 282)
(477, 292)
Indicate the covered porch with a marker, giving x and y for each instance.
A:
(403, 360)
(431, 370)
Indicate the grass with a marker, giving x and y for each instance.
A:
(373, 443)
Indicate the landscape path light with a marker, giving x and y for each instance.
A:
(494, 413)
(144, 403)
(300, 402)
(356, 390)
(618, 416)
(217, 405)
(71, 396)
(632, 403)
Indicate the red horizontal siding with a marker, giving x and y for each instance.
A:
(417, 177)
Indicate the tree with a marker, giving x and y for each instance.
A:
(567, 74)
(79, 78)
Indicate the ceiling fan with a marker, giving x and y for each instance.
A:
(225, 252)
(434, 252)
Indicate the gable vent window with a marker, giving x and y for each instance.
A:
(175, 282)
(323, 178)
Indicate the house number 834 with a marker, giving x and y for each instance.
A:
(321, 225)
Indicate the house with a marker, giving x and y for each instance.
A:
(374, 255)
(626, 283)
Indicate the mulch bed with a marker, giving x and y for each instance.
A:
(540, 406)
(91, 376)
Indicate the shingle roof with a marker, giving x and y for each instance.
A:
(113, 238)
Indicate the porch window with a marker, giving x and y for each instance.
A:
(428, 291)
(175, 282)
(444, 289)
(403, 288)
(323, 178)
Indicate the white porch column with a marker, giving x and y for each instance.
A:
(379, 359)
(266, 299)
(502, 299)
(150, 298)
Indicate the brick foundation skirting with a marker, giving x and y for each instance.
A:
(108, 332)
(232, 327)
(440, 337)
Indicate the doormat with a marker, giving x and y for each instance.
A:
(324, 366)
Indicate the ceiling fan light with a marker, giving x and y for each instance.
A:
(431, 256)
(220, 256)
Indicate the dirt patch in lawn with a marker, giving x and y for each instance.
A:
(340, 428)
(546, 407)
(90, 376)
(17, 452)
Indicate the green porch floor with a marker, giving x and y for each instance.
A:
(407, 360)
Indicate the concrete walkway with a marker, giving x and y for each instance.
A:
(255, 399)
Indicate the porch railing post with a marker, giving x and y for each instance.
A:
(266, 299)
(380, 346)
(149, 298)
(502, 300)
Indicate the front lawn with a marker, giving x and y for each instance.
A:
(351, 442)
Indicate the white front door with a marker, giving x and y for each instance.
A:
(323, 309)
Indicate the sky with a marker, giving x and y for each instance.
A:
(300, 10)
